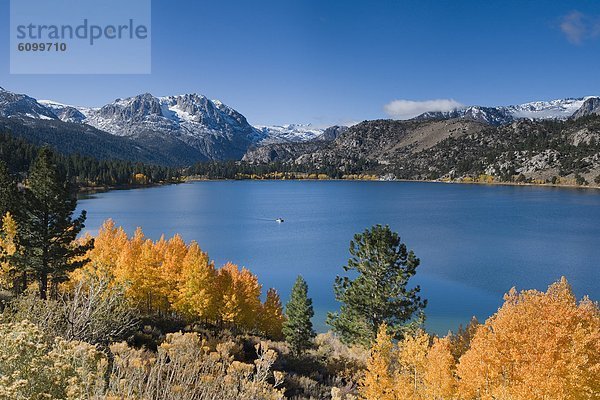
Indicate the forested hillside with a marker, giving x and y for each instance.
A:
(84, 171)
(523, 151)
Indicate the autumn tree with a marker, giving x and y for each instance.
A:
(439, 374)
(171, 276)
(537, 346)
(378, 381)
(411, 364)
(196, 293)
(412, 369)
(11, 264)
(271, 317)
(380, 292)
(240, 302)
(298, 328)
(8, 252)
(49, 229)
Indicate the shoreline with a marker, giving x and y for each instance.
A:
(91, 190)
(546, 185)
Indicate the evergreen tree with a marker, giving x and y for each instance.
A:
(8, 191)
(49, 230)
(297, 328)
(15, 275)
(379, 293)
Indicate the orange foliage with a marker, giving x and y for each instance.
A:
(538, 346)
(172, 276)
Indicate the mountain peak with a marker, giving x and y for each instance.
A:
(591, 106)
(560, 109)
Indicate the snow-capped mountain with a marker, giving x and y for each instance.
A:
(554, 109)
(209, 127)
(591, 106)
(64, 112)
(187, 128)
(214, 129)
(192, 118)
(20, 105)
(561, 109)
(291, 133)
(486, 115)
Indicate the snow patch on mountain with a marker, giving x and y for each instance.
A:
(561, 109)
(291, 133)
(554, 109)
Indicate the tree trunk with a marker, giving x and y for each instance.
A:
(24, 282)
(43, 285)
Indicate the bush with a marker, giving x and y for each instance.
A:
(94, 310)
(33, 368)
(185, 368)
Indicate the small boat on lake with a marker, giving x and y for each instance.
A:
(279, 220)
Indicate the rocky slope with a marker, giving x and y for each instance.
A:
(215, 130)
(591, 106)
(20, 105)
(454, 148)
(538, 139)
(292, 133)
(184, 129)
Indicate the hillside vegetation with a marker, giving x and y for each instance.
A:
(565, 152)
(126, 317)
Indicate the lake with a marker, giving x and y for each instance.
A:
(475, 242)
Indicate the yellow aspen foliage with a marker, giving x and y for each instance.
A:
(230, 308)
(249, 290)
(378, 382)
(271, 316)
(8, 247)
(240, 303)
(196, 296)
(172, 276)
(537, 346)
(108, 245)
(173, 253)
(412, 357)
(439, 374)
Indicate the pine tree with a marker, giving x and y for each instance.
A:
(297, 328)
(9, 195)
(49, 230)
(379, 293)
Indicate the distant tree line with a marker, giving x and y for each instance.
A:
(244, 170)
(18, 155)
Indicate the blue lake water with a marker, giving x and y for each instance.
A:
(475, 242)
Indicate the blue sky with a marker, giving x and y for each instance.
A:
(327, 62)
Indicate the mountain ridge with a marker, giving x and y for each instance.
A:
(559, 109)
(183, 129)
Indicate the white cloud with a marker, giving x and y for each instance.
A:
(579, 27)
(574, 27)
(404, 109)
